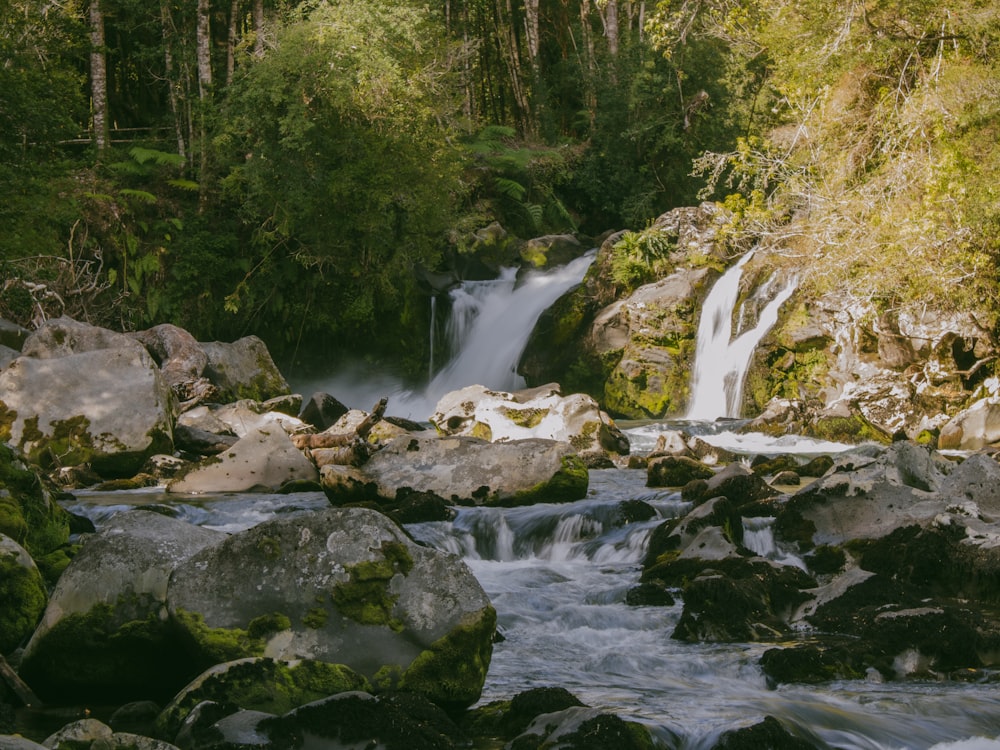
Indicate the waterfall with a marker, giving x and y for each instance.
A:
(430, 359)
(721, 361)
(491, 321)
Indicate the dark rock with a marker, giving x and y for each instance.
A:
(201, 442)
(817, 467)
(675, 471)
(825, 559)
(809, 664)
(769, 734)
(649, 595)
(322, 411)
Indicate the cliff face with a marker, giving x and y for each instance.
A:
(834, 365)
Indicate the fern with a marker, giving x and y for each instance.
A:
(511, 188)
(160, 158)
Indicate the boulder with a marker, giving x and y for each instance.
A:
(321, 411)
(973, 428)
(22, 592)
(264, 460)
(240, 418)
(466, 470)
(769, 733)
(64, 337)
(542, 412)
(675, 471)
(107, 407)
(551, 250)
(104, 635)
(260, 684)
(7, 355)
(581, 727)
(12, 335)
(182, 362)
(243, 369)
(344, 586)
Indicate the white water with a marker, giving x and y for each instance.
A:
(721, 361)
(558, 575)
(488, 327)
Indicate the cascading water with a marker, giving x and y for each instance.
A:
(721, 361)
(490, 325)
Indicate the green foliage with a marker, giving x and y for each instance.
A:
(640, 257)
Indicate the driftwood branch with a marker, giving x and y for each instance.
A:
(24, 693)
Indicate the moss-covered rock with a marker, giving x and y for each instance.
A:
(22, 592)
(260, 684)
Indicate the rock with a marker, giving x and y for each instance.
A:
(542, 412)
(551, 250)
(104, 635)
(60, 411)
(22, 592)
(7, 355)
(30, 516)
(864, 497)
(182, 361)
(322, 411)
(240, 418)
(346, 586)
(16, 742)
(243, 369)
(201, 442)
(80, 733)
(972, 428)
(675, 471)
(357, 719)
(580, 728)
(264, 460)
(64, 337)
(466, 470)
(261, 685)
(769, 733)
(12, 335)
(738, 483)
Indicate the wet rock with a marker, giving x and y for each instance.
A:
(358, 719)
(201, 442)
(322, 411)
(738, 483)
(769, 733)
(104, 635)
(675, 471)
(345, 586)
(582, 728)
(649, 595)
(262, 685)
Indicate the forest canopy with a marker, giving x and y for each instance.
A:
(296, 169)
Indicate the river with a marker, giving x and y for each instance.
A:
(558, 575)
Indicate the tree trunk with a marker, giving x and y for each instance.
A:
(609, 14)
(168, 32)
(204, 42)
(258, 27)
(98, 76)
(531, 30)
(234, 16)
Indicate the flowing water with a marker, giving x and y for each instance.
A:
(721, 359)
(558, 576)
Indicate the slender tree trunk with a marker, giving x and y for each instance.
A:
(588, 45)
(204, 42)
(234, 16)
(98, 76)
(168, 32)
(531, 30)
(609, 14)
(258, 27)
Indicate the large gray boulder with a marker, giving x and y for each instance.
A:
(243, 369)
(62, 337)
(264, 460)
(109, 407)
(542, 412)
(973, 428)
(344, 586)
(465, 470)
(104, 634)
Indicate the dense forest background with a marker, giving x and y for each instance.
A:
(290, 168)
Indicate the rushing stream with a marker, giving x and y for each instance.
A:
(558, 575)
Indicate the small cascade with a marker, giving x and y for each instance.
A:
(491, 321)
(758, 537)
(430, 359)
(721, 361)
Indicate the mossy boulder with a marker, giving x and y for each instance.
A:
(465, 470)
(243, 369)
(105, 634)
(30, 516)
(109, 408)
(345, 586)
(260, 684)
(675, 471)
(22, 592)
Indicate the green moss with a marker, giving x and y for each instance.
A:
(852, 429)
(266, 625)
(264, 685)
(270, 548)
(451, 672)
(585, 438)
(482, 431)
(217, 645)
(22, 592)
(110, 653)
(568, 484)
(69, 444)
(527, 418)
(315, 618)
(365, 597)
(7, 418)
